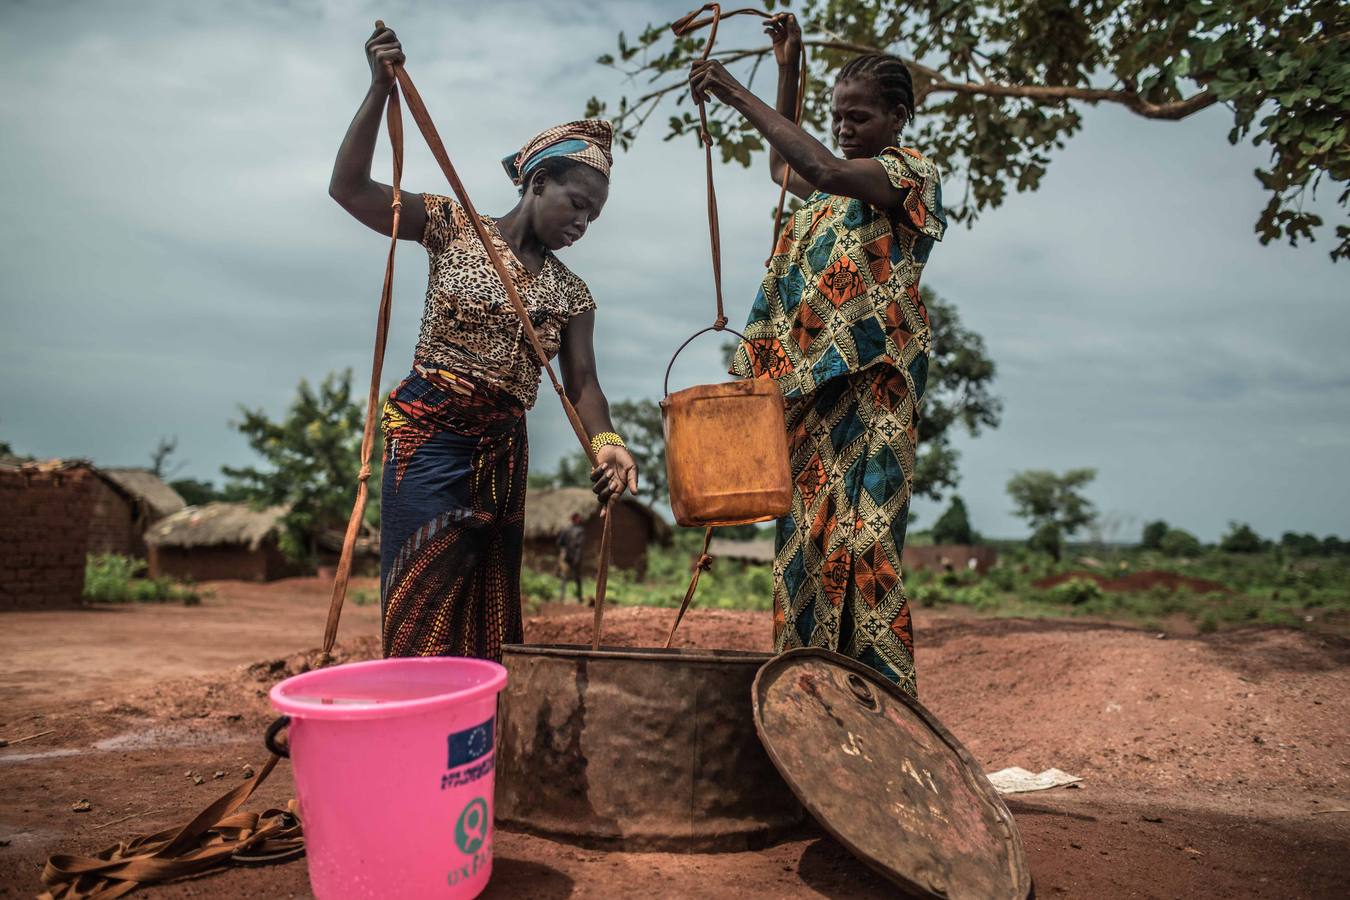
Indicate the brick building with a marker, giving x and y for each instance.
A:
(44, 511)
(126, 503)
(53, 514)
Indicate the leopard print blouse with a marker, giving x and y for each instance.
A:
(468, 325)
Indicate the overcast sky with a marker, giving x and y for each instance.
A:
(169, 252)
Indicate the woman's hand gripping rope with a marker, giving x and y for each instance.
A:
(617, 470)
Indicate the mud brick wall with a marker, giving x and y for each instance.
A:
(224, 562)
(44, 536)
(112, 523)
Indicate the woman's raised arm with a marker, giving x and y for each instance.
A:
(351, 186)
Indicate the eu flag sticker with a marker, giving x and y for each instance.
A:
(468, 745)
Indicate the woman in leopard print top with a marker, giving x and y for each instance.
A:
(455, 460)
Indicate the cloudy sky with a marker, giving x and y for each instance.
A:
(168, 251)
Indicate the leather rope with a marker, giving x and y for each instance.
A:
(218, 833)
(703, 564)
(681, 27)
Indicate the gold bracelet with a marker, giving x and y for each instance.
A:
(606, 438)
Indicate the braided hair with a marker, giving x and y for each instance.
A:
(890, 75)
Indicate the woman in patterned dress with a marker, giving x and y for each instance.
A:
(455, 458)
(839, 325)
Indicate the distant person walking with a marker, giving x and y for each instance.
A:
(839, 325)
(571, 552)
(455, 454)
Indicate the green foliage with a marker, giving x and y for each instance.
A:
(1153, 535)
(312, 458)
(1178, 543)
(110, 578)
(953, 526)
(196, 492)
(1301, 545)
(1263, 588)
(1241, 539)
(960, 378)
(1077, 591)
(1001, 85)
(364, 596)
(1053, 505)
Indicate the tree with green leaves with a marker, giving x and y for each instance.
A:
(311, 460)
(1241, 538)
(1053, 505)
(959, 393)
(196, 492)
(1180, 543)
(1153, 534)
(998, 86)
(953, 526)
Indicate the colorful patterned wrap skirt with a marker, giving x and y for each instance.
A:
(837, 559)
(452, 514)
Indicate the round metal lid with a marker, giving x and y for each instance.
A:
(883, 776)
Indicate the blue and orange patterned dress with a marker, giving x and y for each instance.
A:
(839, 325)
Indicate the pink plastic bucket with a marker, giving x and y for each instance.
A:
(394, 764)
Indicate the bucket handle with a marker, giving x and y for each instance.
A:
(270, 738)
(666, 385)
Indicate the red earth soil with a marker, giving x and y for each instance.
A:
(1213, 766)
(1138, 581)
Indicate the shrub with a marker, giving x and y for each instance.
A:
(1241, 539)
(1179, 543)
(1077, 591)
(1154, 532)
(111, 578)
(1002, 577)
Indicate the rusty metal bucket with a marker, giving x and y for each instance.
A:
(637, 748)
(726, 451)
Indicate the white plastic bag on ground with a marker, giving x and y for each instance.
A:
(1016, 780)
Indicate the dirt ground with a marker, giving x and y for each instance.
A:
(1214, 766)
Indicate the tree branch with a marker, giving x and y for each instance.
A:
(930, 81)
(934, 82)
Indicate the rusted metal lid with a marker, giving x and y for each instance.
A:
(883, 776)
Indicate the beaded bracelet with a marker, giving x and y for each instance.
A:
(606, 438)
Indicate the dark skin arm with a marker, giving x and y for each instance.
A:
(861, 179)
(787, 52)
(351, 186)
(617, 470)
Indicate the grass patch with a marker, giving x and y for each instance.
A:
(1262, 589)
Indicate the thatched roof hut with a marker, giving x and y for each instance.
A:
(548, 512)
(220, 540)
(217, 523)
(146, 487)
